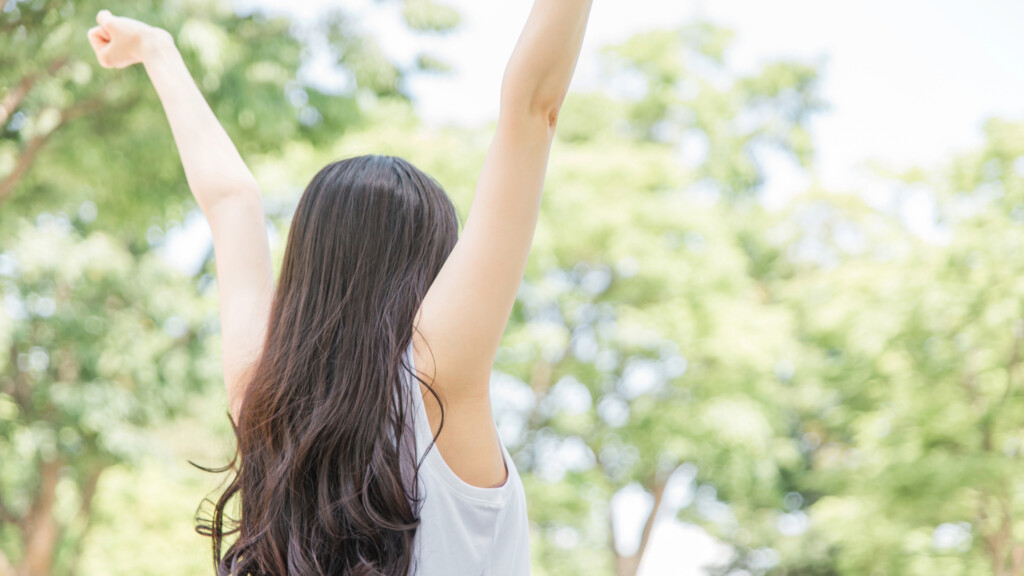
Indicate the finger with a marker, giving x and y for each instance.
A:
(105, 19)
(99, 35)
(98, 38)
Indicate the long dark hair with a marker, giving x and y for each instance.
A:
(322, 480)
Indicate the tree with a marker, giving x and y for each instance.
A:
(99, 343)
(914, 349)
(811, 373)
(645, 343)
(103, 341)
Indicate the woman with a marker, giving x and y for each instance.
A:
(359, 385)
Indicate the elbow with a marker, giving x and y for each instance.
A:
(533, 99)
(224, 197)
(242, 183)
(220, 188)
(248, 187)
(552, 116)
(539, 107)
(547, 106)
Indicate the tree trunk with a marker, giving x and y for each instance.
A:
(40, 530)
(88, 491)
(630, 565)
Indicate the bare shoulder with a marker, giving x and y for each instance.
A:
(468, 442)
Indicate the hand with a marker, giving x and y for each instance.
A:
(120, 42)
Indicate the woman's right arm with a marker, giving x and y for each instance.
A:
(224, 189)
(466, 309)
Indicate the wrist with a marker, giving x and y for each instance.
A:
(158, 41)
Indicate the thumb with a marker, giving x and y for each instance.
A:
(105, 19)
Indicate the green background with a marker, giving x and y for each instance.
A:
(838, 395)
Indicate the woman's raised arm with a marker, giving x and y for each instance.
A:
(223, 187)
(464, 313)
(541, 66)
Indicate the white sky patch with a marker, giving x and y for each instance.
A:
(678, 549)
(186, 245)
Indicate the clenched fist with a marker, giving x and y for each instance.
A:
(120, 42)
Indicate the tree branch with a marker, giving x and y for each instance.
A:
(36, 143)
(8, 517)
(25, 161)
(88, 490)
(19, 385)
(658, 490)
(39, 530)
(630, 565)
(85, 107)
(14, 98)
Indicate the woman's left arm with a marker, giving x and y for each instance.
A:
(223, 187)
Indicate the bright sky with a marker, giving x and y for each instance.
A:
(908, 81)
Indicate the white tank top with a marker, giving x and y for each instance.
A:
(465, 530)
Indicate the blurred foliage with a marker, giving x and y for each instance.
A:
(819, 387)
(99, 344)
(429, 15)
(102, 339)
